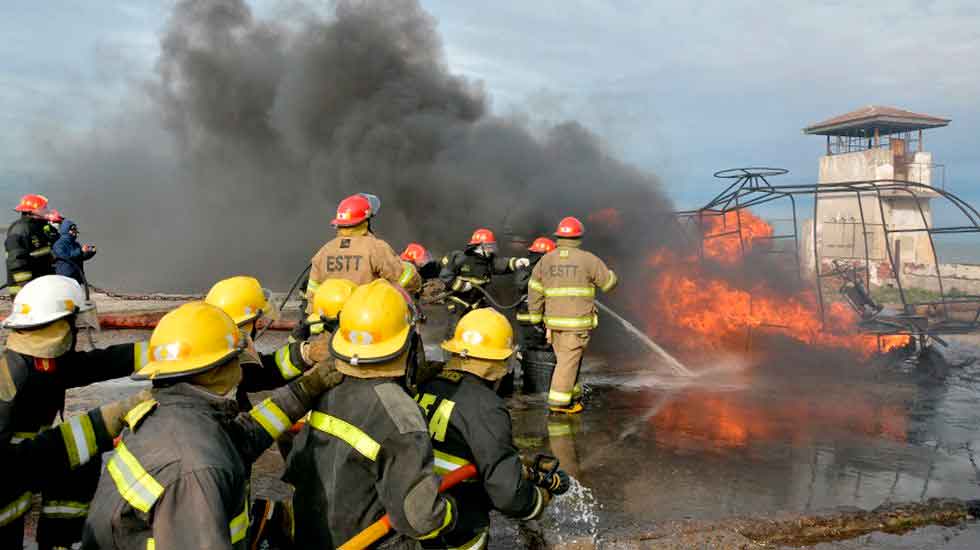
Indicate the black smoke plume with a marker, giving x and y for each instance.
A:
(233, 156)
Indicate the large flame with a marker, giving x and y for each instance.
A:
(694, 310)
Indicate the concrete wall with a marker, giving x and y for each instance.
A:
(964, 278)
(872, 164)
(839, 218)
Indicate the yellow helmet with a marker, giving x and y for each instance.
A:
(194, 338)
(484, 334)
(330, 297)
(243, 298)
(375, 325)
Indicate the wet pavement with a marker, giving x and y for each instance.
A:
(761, 440)
(746, 439)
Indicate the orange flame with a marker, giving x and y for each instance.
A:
(721, 238)
(607, 217)
(694, 311)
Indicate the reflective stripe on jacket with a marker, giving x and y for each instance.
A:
(469, 423)
(365, 452)
(186, 464)
(561, 292)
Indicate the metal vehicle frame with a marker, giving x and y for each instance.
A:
(751, 187)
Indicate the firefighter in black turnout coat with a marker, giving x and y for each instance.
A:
(365, 450)
(469, 424)
(39, 364)
(178, 479)
(465, 272)
(28, 244)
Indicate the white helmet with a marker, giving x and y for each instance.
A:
(45, 300)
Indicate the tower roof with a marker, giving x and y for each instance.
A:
(887, 120)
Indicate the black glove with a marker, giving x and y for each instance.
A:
(301, 333)
(544, 473)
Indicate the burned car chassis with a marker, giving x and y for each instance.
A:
(924, 321)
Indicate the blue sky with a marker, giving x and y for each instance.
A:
(682, 89)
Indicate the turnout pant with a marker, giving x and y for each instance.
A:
(569, 347)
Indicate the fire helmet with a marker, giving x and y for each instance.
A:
(375, 327)
(53, 216)
(542, 245)
(330, 298)
(356, 209)
(570, 227)
(46, 300)
(483, 236)
(243, 298)
(192, 339)
(32, 203)
(484, 334)
(417, 254)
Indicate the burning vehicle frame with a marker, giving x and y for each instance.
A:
(922, 321)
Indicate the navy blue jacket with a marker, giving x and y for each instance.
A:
(68, 254)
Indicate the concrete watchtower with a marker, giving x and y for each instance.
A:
(874, 144)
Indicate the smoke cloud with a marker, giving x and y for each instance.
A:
(233, 156)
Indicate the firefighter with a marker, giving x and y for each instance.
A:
(245, 300)
(466, 272)
(55, 451)
(561, 294)
(356, 254)
(469, 424)
(38, 365)
(178, 476)
(53, 228)
(365, 450)
(28, 245)
(530, 331)
(425, 264)
(328, 300)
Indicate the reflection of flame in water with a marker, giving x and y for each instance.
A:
(725, 420)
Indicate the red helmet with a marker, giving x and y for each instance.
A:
(352, 211)
(54, 216)
(32, 203)
(483, 236)
(569, 228)
(542, 245)
(417, 254)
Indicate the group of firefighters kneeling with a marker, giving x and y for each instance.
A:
(368, 426)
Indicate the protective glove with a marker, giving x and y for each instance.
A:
(462, 286)
(316, 350)
(113, 413)
(324, 376)
(522, 262)
(301, 333)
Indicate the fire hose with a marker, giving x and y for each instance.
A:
(543, 472)
(286, 299)
(493, 302)
(382, 527)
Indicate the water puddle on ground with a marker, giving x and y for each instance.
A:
(752, 441)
